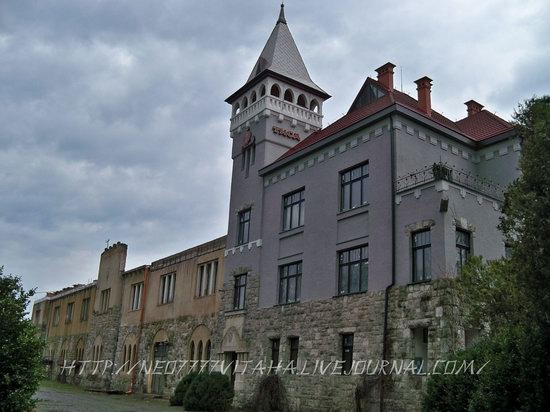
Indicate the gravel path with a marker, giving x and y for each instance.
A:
(73, 399)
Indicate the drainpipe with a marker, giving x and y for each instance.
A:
(387, 292)
(141, 316)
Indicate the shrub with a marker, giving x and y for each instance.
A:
(211, 392)
(270, 396)
(181, 389)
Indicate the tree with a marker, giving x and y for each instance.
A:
(20, 347)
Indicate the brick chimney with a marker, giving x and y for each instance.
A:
(385, 75)
(473, 107)
(424, 88)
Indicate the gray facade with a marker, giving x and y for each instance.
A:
(405, 193)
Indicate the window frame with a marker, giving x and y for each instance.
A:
(293, 352)
(363, 186)
(239, 291)
(69, 314)
(363, 261)
(105, 300)
(84, 309)
(287, 278)
(207, 274)
(56, 315)
(287, 225)
(462, 249)
(243, 224)
(275, 354)
(167, 292)
(138, 286)
(414, 248)
(346, 367)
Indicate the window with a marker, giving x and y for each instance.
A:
(240, 292)
(347, 353)
(354, 187)
(353, 270)
(248, 157)
(69, 314)
(275, 91)
(289, 97)
(422, 256)
(290, 283)
(294, 344)
(208, 350)
(167, 287)
(84, 309)
(293, 210)
(420, 349)
(56, 315)
(206, 279)
(275, 348)
(301, 101)
(97, 350)
(135, 296)
(244, 227)
(462, 247)
(105, 296)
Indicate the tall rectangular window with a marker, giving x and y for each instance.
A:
(353, 270)
(353, 187)
(347, 353)
(462, 247)
(420, 336)
(69, 314)
(244, 227)
(239, 294)
(294, 344)
(135, 296)
(275, 348)
(167, 288)
(84, 309)
(290, 283)
(422, 255)
(104, 302)
(206, 279)
(56, 315)
(293, 210)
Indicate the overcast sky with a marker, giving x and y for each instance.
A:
(112, 116)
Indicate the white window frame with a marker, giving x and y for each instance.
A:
(167, 288)
(206, 279)
(135, 296)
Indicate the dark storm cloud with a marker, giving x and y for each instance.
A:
(113, 125)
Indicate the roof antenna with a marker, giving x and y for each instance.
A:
(401, 79)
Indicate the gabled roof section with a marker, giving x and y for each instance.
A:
(280, 55)
(483, 125)
(478, 127)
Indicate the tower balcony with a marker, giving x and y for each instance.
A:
(271, 104)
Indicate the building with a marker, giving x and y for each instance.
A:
(342, 244)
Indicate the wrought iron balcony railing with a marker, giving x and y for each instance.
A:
(441, 171)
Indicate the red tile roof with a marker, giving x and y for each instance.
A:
(478, 127)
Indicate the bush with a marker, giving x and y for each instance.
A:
(181, 389)
(270, 396)
(211, 392)
(20, 348)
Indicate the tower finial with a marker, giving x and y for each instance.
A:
(282, 14)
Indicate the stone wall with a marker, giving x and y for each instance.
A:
(320, 325)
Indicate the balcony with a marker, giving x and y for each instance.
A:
(314, 120)
(441, 171)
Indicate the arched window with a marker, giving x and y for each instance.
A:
(237, 109)
(301, 101)
(275, 91)
(314, 106)
(208, 350)
(199, 351)
(192, 351)
(245, 103)
(253, 98)
(289, 97)
(262, 91)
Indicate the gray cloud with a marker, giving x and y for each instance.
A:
(113, 125)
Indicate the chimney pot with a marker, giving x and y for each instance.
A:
(385, 75)
(473, 107)
(424, 88)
